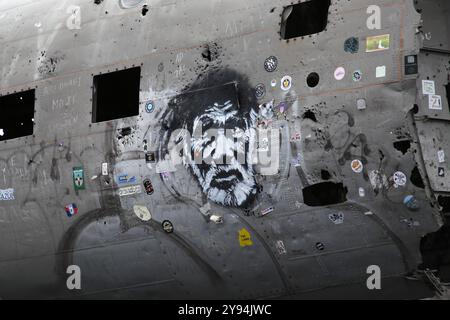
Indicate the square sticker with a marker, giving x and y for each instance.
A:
(428, 87)
(435, 102)
(378, 43)
(381, 72)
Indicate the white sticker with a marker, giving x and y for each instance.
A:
(128, 191)
(142, 212)
(357, 166)
(428, 87)
(273, 83)
(441, 156)
(336, 218)
(281, 247)
(435, 102)
(7, 195)
(104, 169)
(286, 83)
(400, 179)
(361, 104)
(381, 72)
(339, 73)
(362, 192)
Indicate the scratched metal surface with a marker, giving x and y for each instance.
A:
(124, 257)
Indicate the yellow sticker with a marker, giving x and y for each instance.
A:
(245, 239)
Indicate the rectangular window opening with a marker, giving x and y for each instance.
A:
(17, 118)
(116, 95)
(304, 19)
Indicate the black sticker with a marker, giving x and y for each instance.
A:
(411, 65)
(150, 157)
(167, 226)
(441, 172)
(271, 64)
(260, 91)
(351, 45)
(320, 246)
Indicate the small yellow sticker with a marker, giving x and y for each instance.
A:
(245, 239)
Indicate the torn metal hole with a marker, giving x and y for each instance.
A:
(325, 194)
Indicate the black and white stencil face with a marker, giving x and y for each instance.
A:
(218, 113)
(221, 154)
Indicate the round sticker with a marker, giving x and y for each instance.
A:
(357, 166)
(142, 213)
(286, 83)
(320, 246)
(260, 91)
(149, 107)
(339, 74)
(400, 178)
(271, 64)
(167, 226)
(357, 76)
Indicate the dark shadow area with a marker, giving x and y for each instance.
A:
(325, 175)
(435, 250)
(303, 19)
(402, 146)
(444, 202)
(116, 95)
(324, 194)
(17, 115)
(416, 178)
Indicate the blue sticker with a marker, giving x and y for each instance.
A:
(149, 107)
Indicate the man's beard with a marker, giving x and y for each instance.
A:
(231, 185)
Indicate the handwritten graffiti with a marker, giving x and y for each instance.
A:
(7, 194)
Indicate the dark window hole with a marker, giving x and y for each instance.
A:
(325, 175)
(303, 19)
(402, 146)
(416, 178)
(17, 118)
(310, 115)
(324, 194)
(116, 95)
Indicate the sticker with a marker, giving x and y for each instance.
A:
(428, 87)
(104, 169)
(339, 73)
(78, 178)
(271, 64)
(435, 102)
(149, 106)
(296, 137)
(441, 156)
(400, 179)
(128, 191)
(441, 172)
(142, 212)
(273, 83)
(123, 179)
(357, 76)
(7, 194)
(378, 43)
(351, 45)
(260, 91)
(148, 187)
(216, 219)
(245, 239)
(320, 246)
(337, 218)
(362, 192)
(286, 83)
(282, 107)
(266, 211)
(357, 166)
(411, 65)
(71, 210)
(381, 72)
(361, 104)
(150, 157)
(165, 176)
(281, 247)
(167, 226)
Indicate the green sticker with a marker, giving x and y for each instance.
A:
(78, 178)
